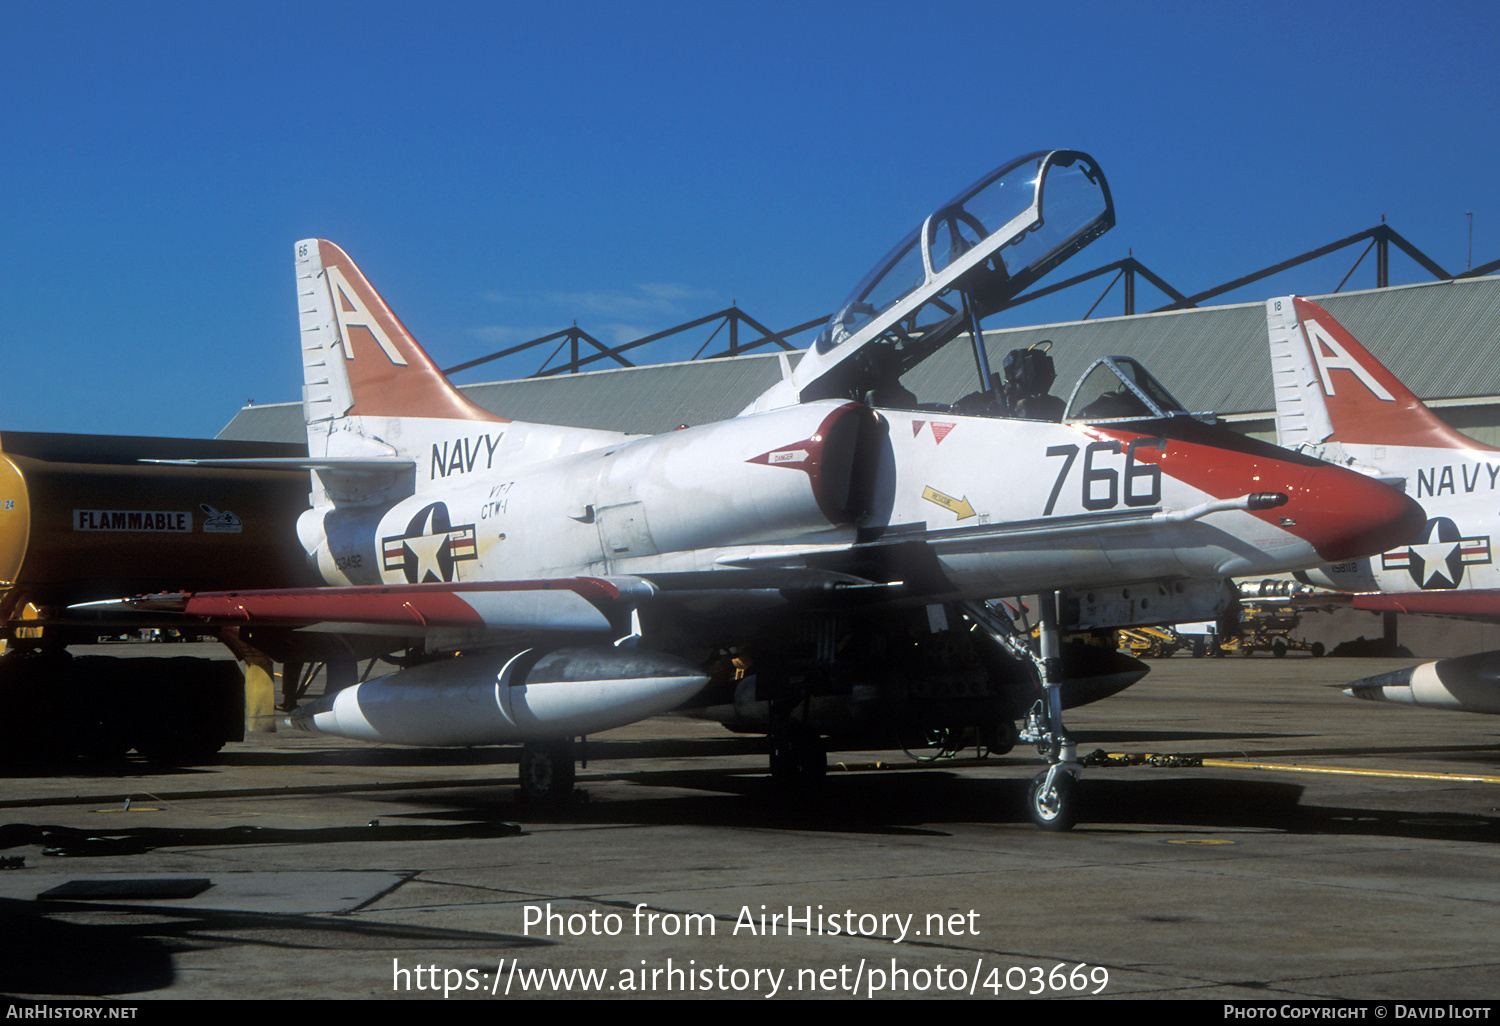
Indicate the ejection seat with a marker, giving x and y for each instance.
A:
(1029, 375)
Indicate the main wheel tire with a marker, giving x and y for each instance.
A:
(798, 759)
(547, 771)
(1054, 808)
(999, 738)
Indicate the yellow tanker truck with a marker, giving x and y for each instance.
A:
(87, 517)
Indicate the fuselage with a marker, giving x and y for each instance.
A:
(1010, 506)
(1460, 490)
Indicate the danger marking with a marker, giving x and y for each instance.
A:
(153, 521)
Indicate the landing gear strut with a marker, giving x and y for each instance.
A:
(1052, 800)
(798, 758)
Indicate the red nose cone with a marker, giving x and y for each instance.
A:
(1340, 514)
(1345, 515)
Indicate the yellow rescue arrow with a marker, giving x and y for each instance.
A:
(948, 502)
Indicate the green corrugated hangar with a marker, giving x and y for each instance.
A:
(1439, 338)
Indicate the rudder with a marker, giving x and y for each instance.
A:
(358, 359)
(1329, 388)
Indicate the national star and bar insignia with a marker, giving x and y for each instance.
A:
(431, 548)
(1438, 560)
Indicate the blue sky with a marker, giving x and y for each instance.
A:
(499, 170)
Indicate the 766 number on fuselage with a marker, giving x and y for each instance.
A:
(1101, 485)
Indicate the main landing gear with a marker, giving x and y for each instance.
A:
(798, 758)
(547, 770)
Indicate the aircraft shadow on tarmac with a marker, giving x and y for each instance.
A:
(377, 755)
(925, 799)
(598, 749)
(130, 766)
(131, 951)
(922, 801)
(63, 842)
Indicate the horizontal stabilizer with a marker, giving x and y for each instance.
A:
(348, 463)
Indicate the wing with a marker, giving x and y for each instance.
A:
(901, 566)
(570, 604)
(1473, 604)
(564, 605)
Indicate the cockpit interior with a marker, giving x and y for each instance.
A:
(970, 258)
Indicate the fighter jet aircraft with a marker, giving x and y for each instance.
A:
(835, 545)
(1335, 401)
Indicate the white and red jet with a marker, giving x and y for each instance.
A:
(1335, 401)
(825, 560)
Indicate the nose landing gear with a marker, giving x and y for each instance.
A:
(1052, 799)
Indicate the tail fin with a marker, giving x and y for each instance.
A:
(1330, 389)
(358, 359)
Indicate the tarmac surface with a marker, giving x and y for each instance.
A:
(1326, 849)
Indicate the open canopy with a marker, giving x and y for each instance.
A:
(967, 259)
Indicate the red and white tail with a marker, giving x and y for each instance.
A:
(1330, 389)
(358, 359)
(381, 417)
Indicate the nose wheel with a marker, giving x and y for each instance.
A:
(1052, 799)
